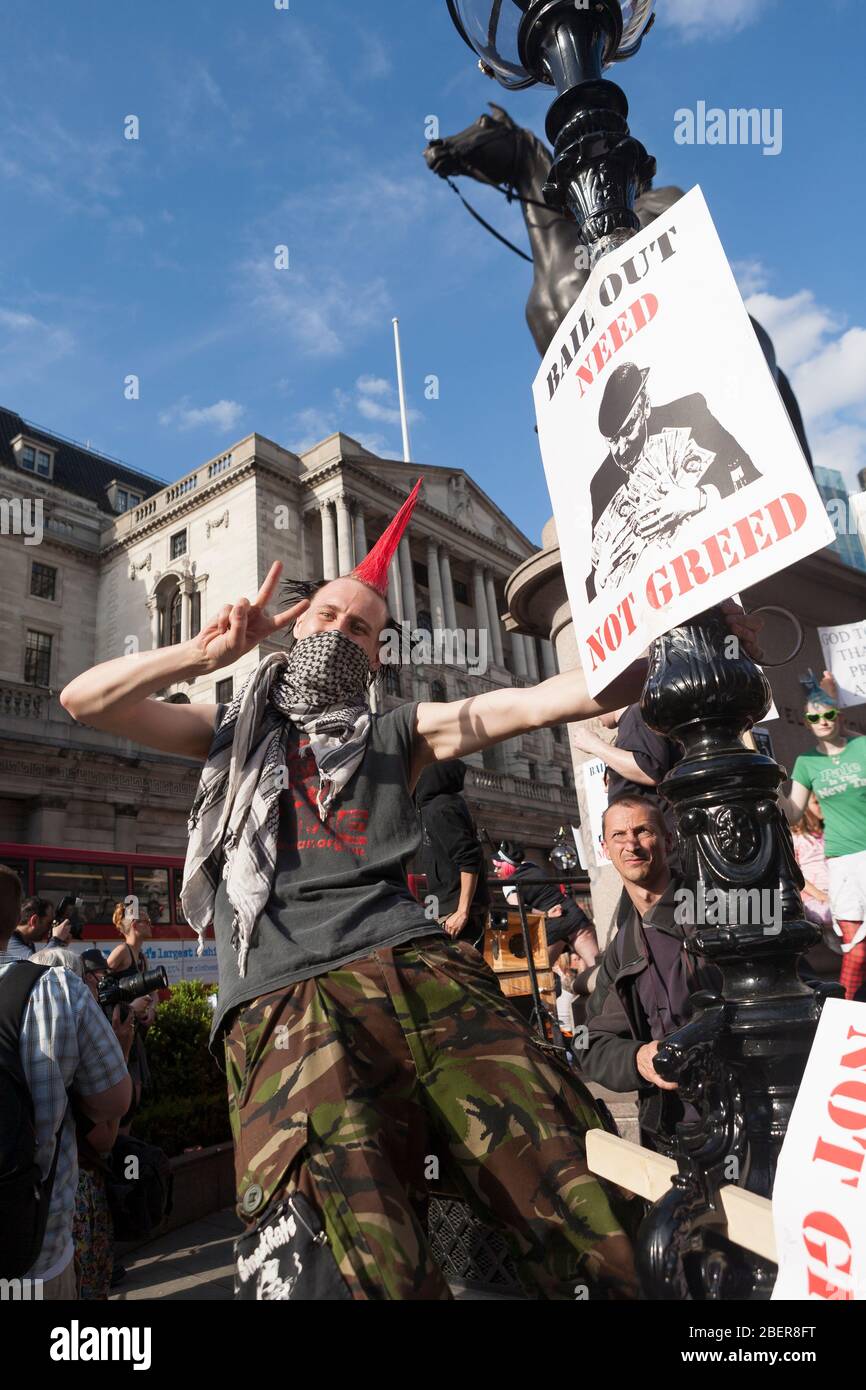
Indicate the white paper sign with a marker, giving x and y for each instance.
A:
(596, 804)
(819, 1197)
(675, 474)
(844, 651)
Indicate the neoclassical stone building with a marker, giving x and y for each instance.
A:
(98, 560)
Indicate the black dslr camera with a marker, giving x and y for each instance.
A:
(111, 990)
(69, 909)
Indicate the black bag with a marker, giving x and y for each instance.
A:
(139, 1194)
(287, 1255)
(24, 1196)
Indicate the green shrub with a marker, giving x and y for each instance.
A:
(186, 1104)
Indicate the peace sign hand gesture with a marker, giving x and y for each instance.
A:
(243, 625)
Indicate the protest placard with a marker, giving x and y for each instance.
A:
(675, 474)
(596, 803)
(819, 1196)
(844, 651)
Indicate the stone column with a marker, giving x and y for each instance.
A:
(360, 535)
(410, 612)
(329, 541)
(519, 653)
(434, 582)
(46, 821)
(548, 659)
(531, 658)
(186, 588)
(395, 596)
(126, 829)
(493, 615)
(481, 618)
(447, 588)
(344, 534)
(153, 610)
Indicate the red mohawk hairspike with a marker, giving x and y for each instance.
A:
(373, 569)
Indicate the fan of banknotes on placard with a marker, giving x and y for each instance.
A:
(670, 459)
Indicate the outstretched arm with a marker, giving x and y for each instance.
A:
(114, 695)
(463, 726)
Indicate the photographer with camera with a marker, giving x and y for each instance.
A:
(37, 919)
(128, 982)
(55, 1041)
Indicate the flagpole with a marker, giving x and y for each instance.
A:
(407, 453)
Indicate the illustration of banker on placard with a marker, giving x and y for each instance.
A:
(665, 465)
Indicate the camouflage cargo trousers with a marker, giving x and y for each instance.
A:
(365, 1088)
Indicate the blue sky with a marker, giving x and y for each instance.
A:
(261, 127)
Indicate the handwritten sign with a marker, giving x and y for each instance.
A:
(844, 651)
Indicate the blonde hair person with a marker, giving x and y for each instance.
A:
(129, 957)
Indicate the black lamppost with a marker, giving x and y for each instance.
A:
(740, 1060)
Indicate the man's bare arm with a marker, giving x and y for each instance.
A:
(620, 759)
(114, 696)
(464, 726)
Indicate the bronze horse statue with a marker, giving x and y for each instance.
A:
(496, 151)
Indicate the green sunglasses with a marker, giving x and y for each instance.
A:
(829, 714)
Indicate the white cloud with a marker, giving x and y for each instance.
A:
(835, 378)
(322, 317)
(222, 415)
(374, 58)
(377, 400)
(797, 325)
(314, 426)
(374, 398)
(29, 344)
(374, 386)
(842, 448)
(825, 359)
(751, 277)
(695, 19)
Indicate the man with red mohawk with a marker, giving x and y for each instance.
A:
(368, 1055)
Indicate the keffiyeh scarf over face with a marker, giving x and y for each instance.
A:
(321, 688)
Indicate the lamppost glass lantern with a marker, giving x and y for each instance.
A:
(563, 856)
(493, 29)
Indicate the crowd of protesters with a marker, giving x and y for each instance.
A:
(83, 1064)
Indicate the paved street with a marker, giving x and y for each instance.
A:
(192, 1263)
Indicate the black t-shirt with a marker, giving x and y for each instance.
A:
(654, 755)
(340, 888)
(541, 897)
(449, 846)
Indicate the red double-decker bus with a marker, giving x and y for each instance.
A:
(101, 880)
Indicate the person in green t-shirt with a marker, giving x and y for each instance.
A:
(836, 773)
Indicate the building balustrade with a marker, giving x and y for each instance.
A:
(161, 501)
(508, 785)
(24, 701)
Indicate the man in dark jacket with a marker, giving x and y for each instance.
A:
(642, 990)
(675, 458)
(451, 855)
